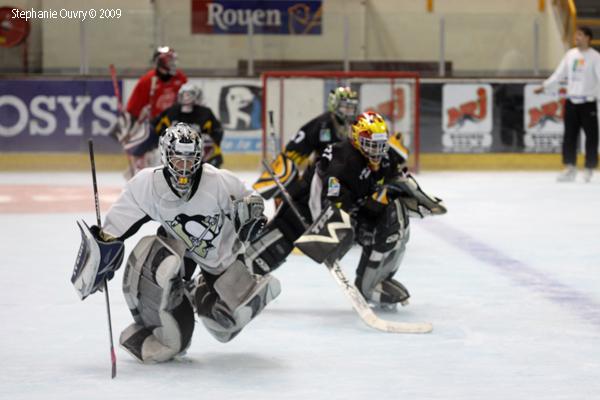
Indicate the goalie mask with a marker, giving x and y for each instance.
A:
(371, 137)
(343, 103)
(181, 153)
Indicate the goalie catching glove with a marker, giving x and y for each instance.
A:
(417, 202)
(96, 261)
(249, 219)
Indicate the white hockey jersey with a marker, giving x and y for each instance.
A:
(205, 222)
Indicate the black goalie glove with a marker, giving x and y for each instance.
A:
(249, 219)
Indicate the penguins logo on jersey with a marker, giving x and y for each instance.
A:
(198, 231)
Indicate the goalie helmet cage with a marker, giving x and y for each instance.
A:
(296, 97)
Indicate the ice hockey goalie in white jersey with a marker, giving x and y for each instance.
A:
(206, 215)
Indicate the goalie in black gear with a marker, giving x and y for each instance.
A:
(364, 176)
(207, 216)
(294, 168)
(302, 152)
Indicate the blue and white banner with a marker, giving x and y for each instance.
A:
(57, 115)
(237, 104)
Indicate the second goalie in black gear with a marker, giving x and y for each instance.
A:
(300, 153)
(306, 146)
(365, 177)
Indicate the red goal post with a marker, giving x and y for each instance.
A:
(295, 97)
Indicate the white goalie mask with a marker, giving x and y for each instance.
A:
(181, 153)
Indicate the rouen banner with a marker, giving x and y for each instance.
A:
(271, 17)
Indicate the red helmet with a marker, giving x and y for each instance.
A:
(165, 60)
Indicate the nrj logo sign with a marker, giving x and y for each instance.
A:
(543, 116)
(473, 110)
(552, 110)
(467, 117)
(393, 102)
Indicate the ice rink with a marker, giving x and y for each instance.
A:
(510, 279)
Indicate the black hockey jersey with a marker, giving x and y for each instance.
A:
(201, 119)
(314, 137)
(343, 177)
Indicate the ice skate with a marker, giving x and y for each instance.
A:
(568, 175)
(587, 174)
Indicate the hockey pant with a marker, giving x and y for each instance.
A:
(153, 287)
(381, 257)
(226, 303)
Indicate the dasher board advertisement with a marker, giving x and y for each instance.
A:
(544, 119)
(395, 104)
(467, 118)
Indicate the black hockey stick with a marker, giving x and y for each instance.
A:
(113, 356)
(358, 301)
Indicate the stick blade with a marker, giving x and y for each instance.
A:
(366, 313)
(113, 360)
(398, 327)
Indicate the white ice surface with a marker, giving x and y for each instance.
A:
(510, 279)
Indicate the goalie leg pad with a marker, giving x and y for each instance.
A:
(285, 170)
(154, 291)
(236, 299)
(269, 251)
(329, 237)
(379, 262)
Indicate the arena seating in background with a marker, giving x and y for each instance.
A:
(424, 68)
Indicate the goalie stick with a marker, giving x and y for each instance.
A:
(113, 356)
(356, 299)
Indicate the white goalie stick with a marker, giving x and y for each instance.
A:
(356, 299)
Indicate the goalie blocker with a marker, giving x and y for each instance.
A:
(329, 237)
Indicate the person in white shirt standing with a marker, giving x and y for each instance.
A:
(580, 67)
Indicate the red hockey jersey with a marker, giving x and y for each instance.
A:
(163, 96)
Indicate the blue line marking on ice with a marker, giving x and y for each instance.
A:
(521, 273)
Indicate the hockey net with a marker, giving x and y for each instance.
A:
(295, 97)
